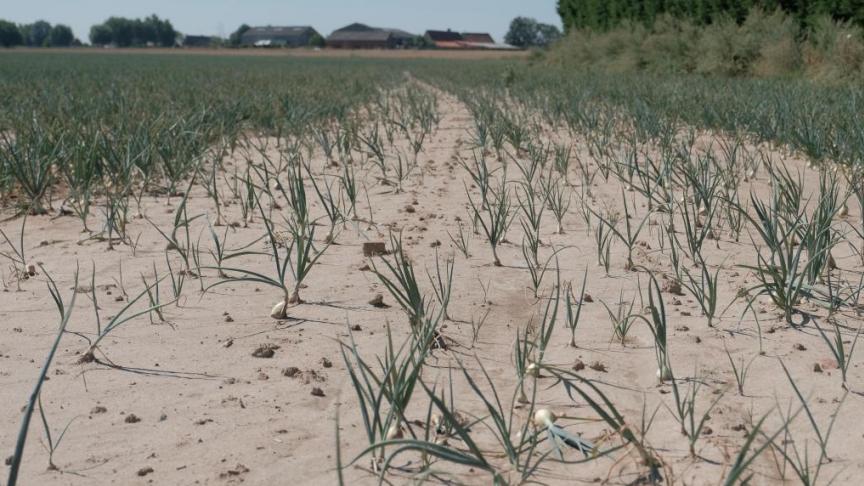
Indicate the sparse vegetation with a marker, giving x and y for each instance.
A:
(225, 184)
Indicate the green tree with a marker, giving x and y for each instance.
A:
(418, 42)
(124, 32)
(237, 36)
(61, 36)
(316, 40)
(527, 32)
(36, 34)
(100, 35)
(607, 14)
(10, 36)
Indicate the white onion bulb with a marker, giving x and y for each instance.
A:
(276, 313)
(394, 432)
(543, 417)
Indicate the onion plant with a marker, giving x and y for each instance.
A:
(630, 235)
(494, 217)
(65, 312)
(402, 284)
(570, 300)
(692, 423)
(30, 154)
(558, 197)
(704, 289)
(658, 325)
(298, 256)
(442, 282)
(837, 345)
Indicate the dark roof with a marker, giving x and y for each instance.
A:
(443, 35)
(355, 27)
(478, 37)
(295, 36)
(197, 40)
(279, 31)
(357, 30)
(364, 35)
(400, 34)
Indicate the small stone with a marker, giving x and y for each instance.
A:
(265, 351)
(356, 327)
(132, 419)
(326, 363)
(98, 409)
(698, 340)
(799, 347)
(598, 366)
(707, 430)
(229, 319)
(238, 470)
(291, 371)
(374, 248)
(410, 209)
(587, 298)
(685, 314)
(672, 287)
(317, 392)
(145, 471)
(817, 368)
(578, 365)
(378, 301)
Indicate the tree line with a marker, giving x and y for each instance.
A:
(37, 34)
(116, 31)
(602, 15)
(123, 32)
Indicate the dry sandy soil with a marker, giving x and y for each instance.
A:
(211, 413)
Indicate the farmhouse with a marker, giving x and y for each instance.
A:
(477, 38)
(269, 36)
(362, 36)
(447, 39)
(444, 39)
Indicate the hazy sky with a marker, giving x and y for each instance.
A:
(221, 17)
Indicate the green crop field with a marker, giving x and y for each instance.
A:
(620, 278)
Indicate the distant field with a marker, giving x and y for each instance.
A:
(323, 53)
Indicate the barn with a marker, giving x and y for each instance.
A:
(362, 36)
(270, 36)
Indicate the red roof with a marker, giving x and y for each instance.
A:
(480, 38)
(450, 45)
